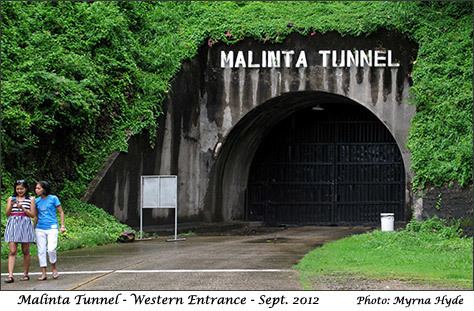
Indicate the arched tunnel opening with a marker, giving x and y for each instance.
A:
(309, 158)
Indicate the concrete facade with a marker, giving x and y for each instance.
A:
(448, 202)
(215, 118)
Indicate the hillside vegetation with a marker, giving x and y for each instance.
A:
(79, 78)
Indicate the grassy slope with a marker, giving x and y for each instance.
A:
(424, 257)
(86, 226)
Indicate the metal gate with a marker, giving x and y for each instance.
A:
(336, 166)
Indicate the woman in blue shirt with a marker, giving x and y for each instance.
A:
(47, 206)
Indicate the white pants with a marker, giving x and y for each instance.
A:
(46, 241)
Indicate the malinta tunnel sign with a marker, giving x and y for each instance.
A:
(291, 58)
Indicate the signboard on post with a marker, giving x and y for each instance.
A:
(159, 191)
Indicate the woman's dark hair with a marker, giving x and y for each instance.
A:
(45, 185)
(21, 182)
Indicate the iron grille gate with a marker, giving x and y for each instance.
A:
(327, 167)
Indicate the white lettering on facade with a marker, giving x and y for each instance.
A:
(325, 54)
(301, 62)
(288, 59)
(240, 60)
(288, 55)
(379, 59)
(274, 59)
(251, 64)
(227, 60)
(353, 58)
(390, 62)
(366, 58)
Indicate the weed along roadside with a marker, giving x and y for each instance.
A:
(424, 255)
(87, 226)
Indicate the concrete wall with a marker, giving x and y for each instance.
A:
(215, 118)
(447, 202)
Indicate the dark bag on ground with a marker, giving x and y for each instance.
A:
(126, 237)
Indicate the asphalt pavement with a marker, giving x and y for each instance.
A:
(255, 260)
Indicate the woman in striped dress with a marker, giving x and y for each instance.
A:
(20, 209)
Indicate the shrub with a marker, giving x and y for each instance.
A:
(447, 229)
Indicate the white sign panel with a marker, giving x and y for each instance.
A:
(151, 186)
(159, 191)
(168, 190)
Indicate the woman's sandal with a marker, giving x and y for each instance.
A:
(42, 278)
(25, 277)
(55, 275)
(9, 280)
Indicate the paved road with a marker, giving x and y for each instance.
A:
(261, 261)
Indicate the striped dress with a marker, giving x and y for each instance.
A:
(19, 227)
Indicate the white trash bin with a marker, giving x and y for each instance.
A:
(387, 220)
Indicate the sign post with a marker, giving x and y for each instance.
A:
(159, 191)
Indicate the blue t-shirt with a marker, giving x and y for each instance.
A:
(46, 208)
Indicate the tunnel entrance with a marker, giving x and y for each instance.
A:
(328, 164)
(332, 166)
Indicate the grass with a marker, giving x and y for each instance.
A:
(87, 226)
(422, 253)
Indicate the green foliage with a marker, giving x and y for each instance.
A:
(86, 226)
(70, 83)
(426, 252)
(441, 134)
(440, 227)
(78, 79)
